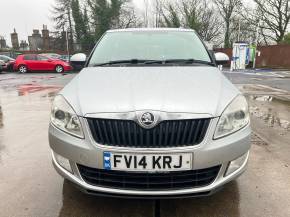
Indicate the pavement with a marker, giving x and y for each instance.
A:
(29, 186)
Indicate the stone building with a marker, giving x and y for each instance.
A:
(35, 40)
(45, 38)
(14, 40)
(23, 45)
(2, 43)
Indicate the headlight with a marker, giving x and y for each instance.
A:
(64, 117)
(234, 117)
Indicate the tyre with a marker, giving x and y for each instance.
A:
(22, 69)
(59, 69)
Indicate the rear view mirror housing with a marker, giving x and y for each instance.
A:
(78, 61)
(79, 57)
(221, 58)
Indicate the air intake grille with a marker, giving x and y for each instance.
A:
(127, 133)
(149, 181)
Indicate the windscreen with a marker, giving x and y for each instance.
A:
(149, 45)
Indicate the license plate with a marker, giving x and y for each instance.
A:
(147, 162)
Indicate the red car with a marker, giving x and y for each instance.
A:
(35, 62)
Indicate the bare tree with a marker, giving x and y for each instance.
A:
(274, 18)
(158, 5)
(242, 30)
(211, 25)
(194, 14)
(146, 13)
(227, 9)
(171, 16)
(128, 17)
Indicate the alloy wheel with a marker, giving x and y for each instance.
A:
(22, 69)
(59, 69)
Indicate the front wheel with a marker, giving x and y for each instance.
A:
(59, 69)
(22, 69)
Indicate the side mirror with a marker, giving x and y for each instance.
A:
(221, 58)
(79, 57)
(78, 61)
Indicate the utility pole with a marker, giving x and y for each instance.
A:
(256, 44)
(67, 45)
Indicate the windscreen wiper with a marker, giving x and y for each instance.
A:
(116, 62)
(182, 61)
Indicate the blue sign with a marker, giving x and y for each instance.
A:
(107, 160)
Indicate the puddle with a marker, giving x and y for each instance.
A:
(1, 117)
(32, 88)
(5, 79)
(1, 126)
(43, 77)
(273, 110)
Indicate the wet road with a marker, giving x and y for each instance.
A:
(276, 79)
(29, 186)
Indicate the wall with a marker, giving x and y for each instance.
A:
(273, 56)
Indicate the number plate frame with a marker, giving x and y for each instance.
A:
(147, 162)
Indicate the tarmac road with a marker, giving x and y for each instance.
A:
(29, 186)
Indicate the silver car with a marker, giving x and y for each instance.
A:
(150, 116)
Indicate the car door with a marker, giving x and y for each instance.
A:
(30, 61)
(44, 63)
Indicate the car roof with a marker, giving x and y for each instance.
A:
(151, 30)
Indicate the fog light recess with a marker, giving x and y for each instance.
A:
(63, 162)
(236, 164)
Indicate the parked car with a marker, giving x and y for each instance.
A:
(2, 64)
(9, 62)
(34, 62)
(150, 115)
(52, 55)
(65, 58)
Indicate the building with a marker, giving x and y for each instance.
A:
(23, 45)
(45, 38)
(2, 43)
(35, 40)
(14, 40)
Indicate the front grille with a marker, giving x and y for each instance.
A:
(169, 133)
(149, 181)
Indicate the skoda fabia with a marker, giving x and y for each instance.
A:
(150, 115)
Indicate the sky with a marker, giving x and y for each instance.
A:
(26, 15)
(23, 15)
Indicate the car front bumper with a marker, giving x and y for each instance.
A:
(207, 154)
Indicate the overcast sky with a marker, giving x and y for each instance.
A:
(26, 15)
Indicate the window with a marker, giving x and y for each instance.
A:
(4, 58)
(43, 58)
(29, 57)
(149, 45)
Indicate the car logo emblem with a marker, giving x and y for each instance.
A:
(147, 120)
